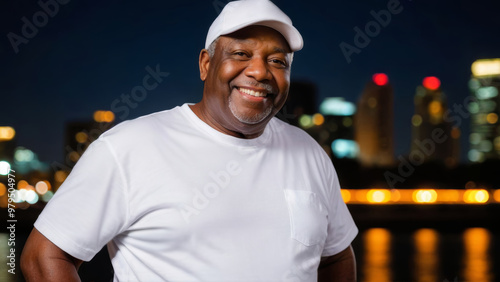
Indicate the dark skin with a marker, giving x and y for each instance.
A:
(41, 260)
(339, 268)
(251, 58)
(254, 59)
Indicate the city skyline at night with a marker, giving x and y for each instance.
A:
(91, 56)
(403, 96)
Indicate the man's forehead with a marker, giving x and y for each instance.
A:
(249, 35)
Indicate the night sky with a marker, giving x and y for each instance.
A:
(90, 52)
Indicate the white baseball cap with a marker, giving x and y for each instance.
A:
(239, 14)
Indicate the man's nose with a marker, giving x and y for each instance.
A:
(258, 69)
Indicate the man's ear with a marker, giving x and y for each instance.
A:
(204, 63)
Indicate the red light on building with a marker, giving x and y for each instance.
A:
(431, 83)
(380, 79)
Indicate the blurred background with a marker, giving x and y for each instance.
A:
(402, 95)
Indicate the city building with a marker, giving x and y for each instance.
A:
(485, 109)
(434, 138)
(80, 134)
(332, 127)
(374, 123)
(301, 100)
(7, 143)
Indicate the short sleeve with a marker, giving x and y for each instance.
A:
(341, 227)
(91, 207)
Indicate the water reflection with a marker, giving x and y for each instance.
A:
(430, 258)
(377, 256)
(424, 255)
(476, 258)
(426, 262)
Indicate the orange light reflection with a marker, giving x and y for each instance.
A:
(426, 257)
(476, 258)
(377, 258)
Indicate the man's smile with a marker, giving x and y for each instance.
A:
(252, 95)
(255, 93)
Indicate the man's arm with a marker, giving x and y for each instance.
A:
(41, 260)
(339, 267)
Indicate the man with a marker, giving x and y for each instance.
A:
(215, 191)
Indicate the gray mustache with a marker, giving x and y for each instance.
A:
(268, 87)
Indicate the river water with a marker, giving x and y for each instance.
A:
(382, 254)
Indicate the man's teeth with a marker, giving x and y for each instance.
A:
(253, 93)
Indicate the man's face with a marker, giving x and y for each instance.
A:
(246, 81)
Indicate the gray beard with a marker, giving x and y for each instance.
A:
(249, 120)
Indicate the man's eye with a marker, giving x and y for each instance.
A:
(240, 54)
(276, 61)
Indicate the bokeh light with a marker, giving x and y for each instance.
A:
(22, 184)
(104, 116)
(41, 187)
(3, 189)
(424, 196)
(60, 176)
(435, 108)
(492, 118)
(31, 197)
(47, 196)
(496, 195)
(486, 67)
(455, 133)
(380, 79)
(4, 168)
(431, 83)
(305, 121)
(346, 195)
(7, 133)
(476, 196)
(416, 120)
(318, 119)
(378, 196)
(23, 155)
(81, 137)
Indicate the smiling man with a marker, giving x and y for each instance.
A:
(246, 81)
(214, 191)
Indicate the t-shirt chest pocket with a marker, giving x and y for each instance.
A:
(308, 217)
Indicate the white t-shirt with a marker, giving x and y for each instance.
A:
(176, 200)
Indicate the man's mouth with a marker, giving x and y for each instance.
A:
(252, 92)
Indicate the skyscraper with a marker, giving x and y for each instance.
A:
(433, 137)
(485, 110)
(301, 101)
(336, 133)
(374, 124)
(7, 143)
(79, 135)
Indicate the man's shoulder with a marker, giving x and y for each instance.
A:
(291, 133)
(297, 141)
(146, 125)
